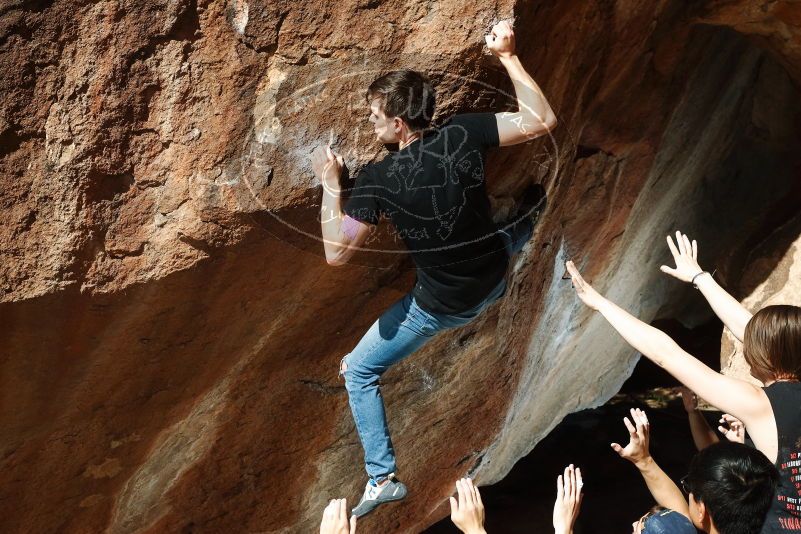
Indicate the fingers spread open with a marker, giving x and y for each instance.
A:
(630, 427)
(680, 243)
(672, 247)
(688, 248)
(643, 417)
(640, 427)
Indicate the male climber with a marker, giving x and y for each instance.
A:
(433, 191)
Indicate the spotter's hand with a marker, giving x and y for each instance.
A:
(585, 291)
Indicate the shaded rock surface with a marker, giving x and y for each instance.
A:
(171, 330)
(615, 495)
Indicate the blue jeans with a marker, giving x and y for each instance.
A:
(400, 331)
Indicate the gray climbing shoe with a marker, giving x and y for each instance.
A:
(374, 496)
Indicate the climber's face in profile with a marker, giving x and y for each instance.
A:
(386, 129)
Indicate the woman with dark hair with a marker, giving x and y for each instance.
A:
(772, 347)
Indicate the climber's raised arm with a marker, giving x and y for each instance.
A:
(737, 397)
(342, 235)
(685, 254)
(534, 116)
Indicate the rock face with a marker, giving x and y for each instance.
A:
(171, 330)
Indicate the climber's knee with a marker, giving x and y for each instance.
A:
(357, 376)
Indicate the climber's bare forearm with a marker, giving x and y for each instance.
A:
(334, 241)
(534, 116)
(342, 235)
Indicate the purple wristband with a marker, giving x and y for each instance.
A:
(350, 227)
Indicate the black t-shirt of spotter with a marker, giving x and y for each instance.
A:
(785, 513)
(433, 191)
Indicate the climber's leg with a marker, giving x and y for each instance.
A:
(517, 231)
(400, 331)
(516, 234)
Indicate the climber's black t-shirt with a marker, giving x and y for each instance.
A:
(433, 191)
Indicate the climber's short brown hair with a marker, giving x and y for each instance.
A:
(772, 343)
(406, 94)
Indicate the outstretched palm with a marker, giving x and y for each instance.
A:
(685, 254)
(585, 291)
(637, 449)
(568, 500)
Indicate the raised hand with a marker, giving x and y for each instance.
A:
(637, 449)
(585, 291)
(732, 428)
(568, 500)
(335, 519)
(501, 40)
(685, 254)
(327, 165)
(468, 512)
